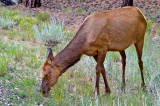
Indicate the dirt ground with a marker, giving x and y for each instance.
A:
(74, 12)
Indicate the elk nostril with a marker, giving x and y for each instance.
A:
(43, 91)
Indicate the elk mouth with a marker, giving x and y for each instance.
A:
(45, 91)
(45, 87)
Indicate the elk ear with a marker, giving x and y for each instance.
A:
(50, 57)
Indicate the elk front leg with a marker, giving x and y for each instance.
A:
(108, 91)
(100, 69)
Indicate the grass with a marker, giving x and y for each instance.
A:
(80, 11)
(4, 63)
(43, 16)
(23, 25)
(21, 66)
(158, 29)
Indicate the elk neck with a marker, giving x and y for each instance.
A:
(72, 53)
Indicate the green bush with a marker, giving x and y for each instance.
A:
(43, 16)
(50, 33)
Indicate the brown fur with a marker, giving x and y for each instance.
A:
(113, 30)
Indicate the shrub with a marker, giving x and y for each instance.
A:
(5, 22)
(50, 34)
(43, 16)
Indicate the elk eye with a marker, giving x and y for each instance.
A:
(46, 75)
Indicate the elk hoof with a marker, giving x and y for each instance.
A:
(108, 91)
(123, 85)
(144, 86)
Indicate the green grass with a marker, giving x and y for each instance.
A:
(8, 12)
(21, 67)
(43, 16)
(158, 29)
(21, 54)
(23, 25)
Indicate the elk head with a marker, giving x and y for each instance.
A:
(50, 73)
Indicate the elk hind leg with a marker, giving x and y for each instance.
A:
(123, 55)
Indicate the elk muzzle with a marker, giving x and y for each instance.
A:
(45, 88)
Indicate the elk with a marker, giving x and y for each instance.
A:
(113, 30)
